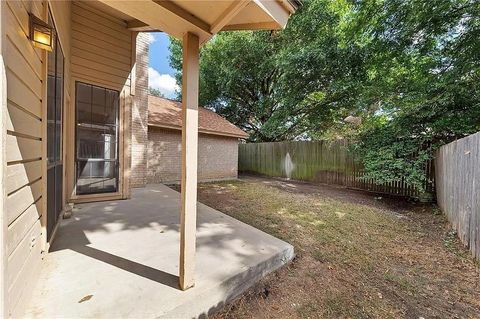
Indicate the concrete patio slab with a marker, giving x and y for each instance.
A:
(119, 259)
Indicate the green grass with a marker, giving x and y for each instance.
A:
(353, 260)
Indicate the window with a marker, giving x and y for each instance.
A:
(54, 133)
(55, 103)
(96, 139)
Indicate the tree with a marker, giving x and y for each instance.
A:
(265, 82)
(155, 92)
(409, 68)
(239, 80)
(424, 80)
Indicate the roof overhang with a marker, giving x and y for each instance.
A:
(204, 18)
(200, 130)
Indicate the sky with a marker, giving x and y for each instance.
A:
(160, 74)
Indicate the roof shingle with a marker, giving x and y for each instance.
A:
(167, 113)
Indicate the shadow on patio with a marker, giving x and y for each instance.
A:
(120, 259)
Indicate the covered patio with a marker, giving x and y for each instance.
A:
(70, 97)
(121, 259)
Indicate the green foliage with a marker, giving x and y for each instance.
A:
(409, 68)
(280, 85)
(424, 75)
(391, 155)
(155, 92)
(239, 79)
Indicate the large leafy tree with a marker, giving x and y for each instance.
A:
(409, 68)
(424, 79)
(281, 85)
(323, 71)
(239, 79)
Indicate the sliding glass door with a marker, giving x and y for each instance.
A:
(97, 128)
(54, 134)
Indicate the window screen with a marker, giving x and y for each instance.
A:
(97, 139)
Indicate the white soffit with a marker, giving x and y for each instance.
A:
(203, 17)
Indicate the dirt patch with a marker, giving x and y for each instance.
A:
(357, 256)
(355, 196)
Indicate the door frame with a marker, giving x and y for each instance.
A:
(118, 192)
(123, 128)
(44, 218)
(127, 96)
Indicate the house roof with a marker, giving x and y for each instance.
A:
(167, 113)
(204, 18)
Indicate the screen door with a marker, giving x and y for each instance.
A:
(97, 127)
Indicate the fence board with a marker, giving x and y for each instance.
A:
(321, 162)
(457, 171)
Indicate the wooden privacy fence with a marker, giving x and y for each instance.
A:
(319, 161)
(458, 188)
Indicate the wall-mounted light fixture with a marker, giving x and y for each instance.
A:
(41, 33)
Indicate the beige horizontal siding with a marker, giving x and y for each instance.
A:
(16, 34)
(86, 31)
(22, 122)
(83, 40)
(23, 96)
(100, 69)
(90, 76)
(105, 57)
(19, 175)
(84, 9)
(115, 31)
(25, 142)
(101, 55)
(26, 262)
(24, 111)
(35, 7)
(21, 199)
(19, 228)
(101, 48)
(21, 149)
(25, 63)
(20, 10)
(24, 127)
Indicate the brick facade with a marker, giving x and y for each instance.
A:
(156, 152)
(217, 156)
(140, 115)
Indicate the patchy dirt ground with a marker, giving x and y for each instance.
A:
(358, 255)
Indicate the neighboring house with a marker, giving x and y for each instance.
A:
(217, 143)
(156, 136)
(69, 99)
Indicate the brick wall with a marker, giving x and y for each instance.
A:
(217, 156)
(138, 176)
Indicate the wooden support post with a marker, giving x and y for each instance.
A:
(188, 214)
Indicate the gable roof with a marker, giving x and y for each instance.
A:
(167, 113)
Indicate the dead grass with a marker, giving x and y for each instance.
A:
(355, 258)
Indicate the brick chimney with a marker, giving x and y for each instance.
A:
(138, 176)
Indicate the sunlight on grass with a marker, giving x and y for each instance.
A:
(340, 214)
(353, 260)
